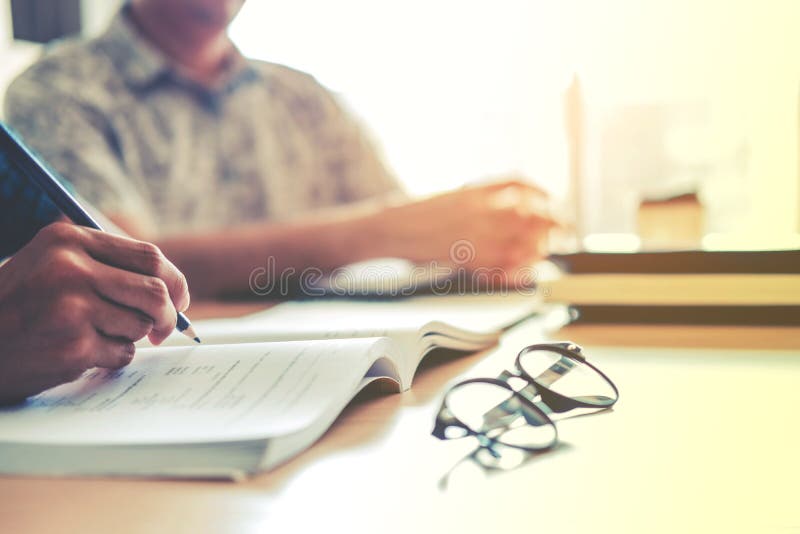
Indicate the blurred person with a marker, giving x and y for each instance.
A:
(222, 161)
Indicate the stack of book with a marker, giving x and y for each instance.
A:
(685, 287)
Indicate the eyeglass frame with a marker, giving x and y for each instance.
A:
(553, 400)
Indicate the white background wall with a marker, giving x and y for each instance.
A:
(96, 13)
(14, 56)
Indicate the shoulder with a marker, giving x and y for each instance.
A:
(70, 69)
(276, 73)
(308, 100)
(286, 81)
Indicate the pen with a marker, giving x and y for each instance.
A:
(46, 180)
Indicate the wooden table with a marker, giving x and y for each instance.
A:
(705, 437)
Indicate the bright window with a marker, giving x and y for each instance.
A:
(459, 90)
(454, 90)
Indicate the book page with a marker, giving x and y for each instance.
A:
(245, 330)
(198, 394)
(483, 313)
(399, 319)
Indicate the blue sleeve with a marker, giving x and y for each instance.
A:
(24, 209)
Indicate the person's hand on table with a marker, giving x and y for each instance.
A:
(500, 225)
(76, 298)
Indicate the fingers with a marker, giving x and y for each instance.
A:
(518, 182)
(112, 353)
(112, 320)
(529, 206)
(515, 253)
(526, 204)
(83, 345)
(132, 274)
(509, 239)
(542, 221)
(147, 294)
(139, 257)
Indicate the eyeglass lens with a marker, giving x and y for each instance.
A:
(496, 414)
(569, 377)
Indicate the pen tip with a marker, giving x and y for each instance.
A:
(190, 333)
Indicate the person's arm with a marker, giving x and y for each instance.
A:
(497, 226)
(75, 298)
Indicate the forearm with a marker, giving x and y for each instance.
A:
(223, 262)
(497, 224)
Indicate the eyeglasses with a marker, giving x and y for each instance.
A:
(556, 377)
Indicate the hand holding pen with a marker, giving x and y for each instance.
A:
(149, 261)
(75, 298)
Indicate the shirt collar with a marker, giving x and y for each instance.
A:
(142, 65)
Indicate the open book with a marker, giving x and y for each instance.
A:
(257, 392)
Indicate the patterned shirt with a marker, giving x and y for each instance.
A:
(137, 140)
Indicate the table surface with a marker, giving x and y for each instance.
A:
(704, 438)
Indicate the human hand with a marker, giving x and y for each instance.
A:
(500, 225)
(76, 298)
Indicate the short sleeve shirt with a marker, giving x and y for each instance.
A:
(139, 141)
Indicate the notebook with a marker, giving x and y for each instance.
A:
(260, 390)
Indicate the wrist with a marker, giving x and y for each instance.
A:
(358, 238)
